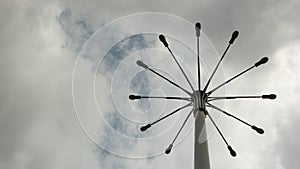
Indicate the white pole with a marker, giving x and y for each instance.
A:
(201, 156)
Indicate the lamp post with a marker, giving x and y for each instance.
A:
(201, 99)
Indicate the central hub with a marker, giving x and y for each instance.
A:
(199, 99)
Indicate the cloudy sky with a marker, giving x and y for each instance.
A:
(41, 42)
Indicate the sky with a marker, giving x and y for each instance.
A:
(46, 124)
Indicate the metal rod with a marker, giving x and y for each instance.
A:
(134, 97)
(232, 39)
(143, 65)
(232, 152)
(228, 114)
(172, 98)
(187, 79)
(173, 83)
(226, 82)
(232, 97)
(259, 63)
(212, 120)
(198, 56)
(182, 126)
(198, 28)
(257, 129)
(170, 114)
(145, 127)
(212, 75)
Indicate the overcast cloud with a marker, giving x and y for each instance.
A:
(40, 41)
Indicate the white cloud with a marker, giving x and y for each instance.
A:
(38, 124)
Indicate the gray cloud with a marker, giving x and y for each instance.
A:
(38, 126)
